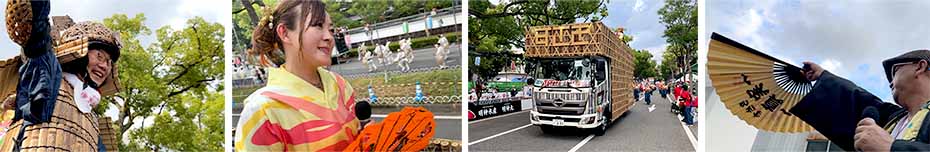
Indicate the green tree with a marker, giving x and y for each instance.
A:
(247, 13)
(196, 125)
(490, 63)
(175, 80)
(429, 5)
(370, 11)
(643, 65)
(626, 39)
(340, 18)
(496, 29)
(680, 18)
(542, 12)
(669, 66)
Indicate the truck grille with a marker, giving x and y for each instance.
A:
(566, 119)
(561, 103)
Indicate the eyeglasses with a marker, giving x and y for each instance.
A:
(895, 67)
(103, 57)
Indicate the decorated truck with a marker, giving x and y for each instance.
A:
(581, 76)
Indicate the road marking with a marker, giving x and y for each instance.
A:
(434, 117)
(578, 146)
(495, 117)
(669, 98)
(688, 132)
(499, 134)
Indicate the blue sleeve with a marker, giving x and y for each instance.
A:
(40, 74)
(100, 146)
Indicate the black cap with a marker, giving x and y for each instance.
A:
(109, 48)
(912, 56)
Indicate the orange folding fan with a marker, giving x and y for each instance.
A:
(408, 130)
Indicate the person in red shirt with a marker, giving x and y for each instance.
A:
(694, 101)
(685, 96)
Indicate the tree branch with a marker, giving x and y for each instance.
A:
(160, 63)
(248, 7)
(199, 83)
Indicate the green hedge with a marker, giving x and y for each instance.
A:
(416, 43)
(446, 75)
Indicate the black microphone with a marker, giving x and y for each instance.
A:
(870, 112)
(363, 113)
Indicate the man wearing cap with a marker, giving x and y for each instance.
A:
(835, 107)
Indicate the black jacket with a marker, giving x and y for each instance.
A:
(835, 106)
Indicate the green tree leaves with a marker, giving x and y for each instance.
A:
(643, 65)
(495, 30)
(680, 18)
(175, 82)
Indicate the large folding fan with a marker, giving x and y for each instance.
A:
(756, 87)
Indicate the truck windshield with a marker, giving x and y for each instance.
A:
(564, 69)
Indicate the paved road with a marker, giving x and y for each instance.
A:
(423, 58)
(447, 116)
(447, 127)
(637, 130)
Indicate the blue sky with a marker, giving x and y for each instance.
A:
(641, 20)
(848, 39)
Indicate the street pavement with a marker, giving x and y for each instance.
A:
(637, 130)
(423, 58)
(447, 127)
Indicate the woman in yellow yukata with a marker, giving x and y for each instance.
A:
(303, 107)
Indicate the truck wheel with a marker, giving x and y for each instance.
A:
(602, 129)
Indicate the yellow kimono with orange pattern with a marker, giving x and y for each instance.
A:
(289, 114)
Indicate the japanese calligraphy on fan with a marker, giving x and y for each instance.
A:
(758, 92)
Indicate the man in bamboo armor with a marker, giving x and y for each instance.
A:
(60, 79)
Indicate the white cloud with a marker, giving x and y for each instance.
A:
(833, 65)
(640, 19)
(751, 21)
(656, 52)
(638, 6)
(848, 38)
